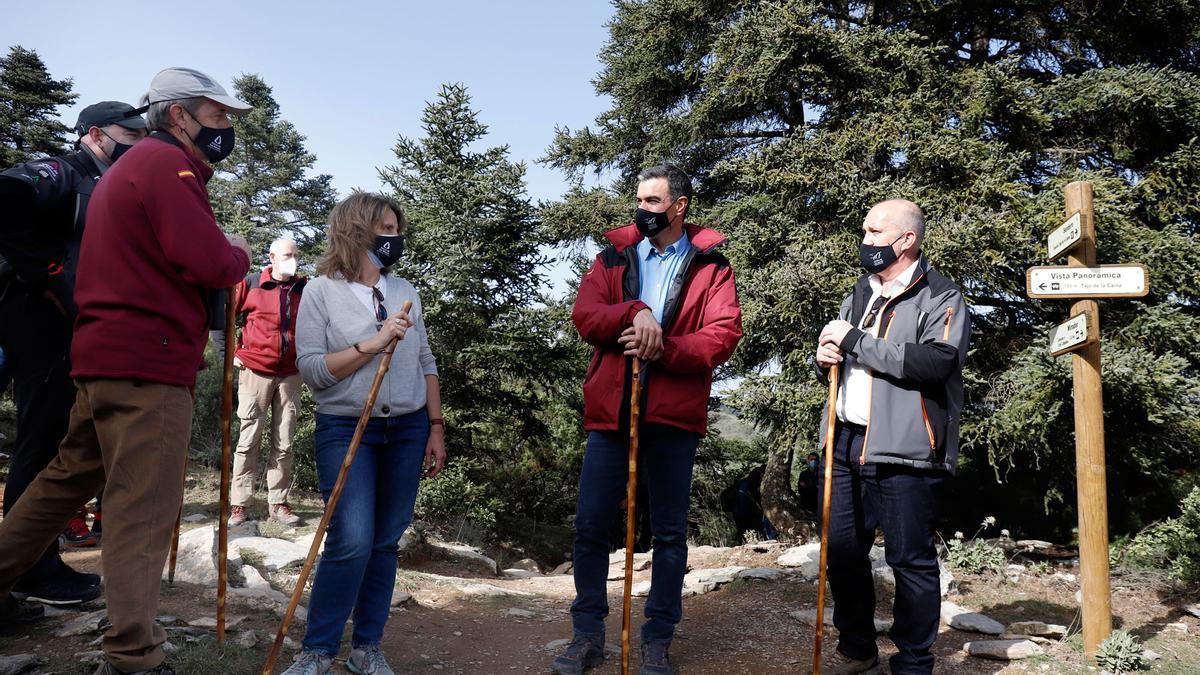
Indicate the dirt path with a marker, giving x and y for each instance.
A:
(464, 619)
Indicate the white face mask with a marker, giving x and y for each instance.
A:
(286, 268)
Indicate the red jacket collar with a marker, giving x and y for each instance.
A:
(703, 238)
(265, 280)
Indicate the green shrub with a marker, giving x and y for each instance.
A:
(1172, 545)
(975, 555)
(453, 498)
(1120, 653)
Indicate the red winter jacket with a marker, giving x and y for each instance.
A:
(268, 341)
(702, 324)
(151, 252)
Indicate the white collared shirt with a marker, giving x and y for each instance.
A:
(366, 295)
(854, 397)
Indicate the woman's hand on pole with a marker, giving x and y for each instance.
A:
(393, 328)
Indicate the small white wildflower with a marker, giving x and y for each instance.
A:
(1003, 533)
(989, 521)
(958, 534)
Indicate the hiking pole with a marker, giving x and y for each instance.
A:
(631, 508)
(175, 535)
(336, 494)
(830, 424)
(174, 549)
(226, 459)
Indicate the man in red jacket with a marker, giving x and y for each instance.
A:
(151, 254)
(268, 381)
(660, 293)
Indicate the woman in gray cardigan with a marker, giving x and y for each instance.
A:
(348, 316)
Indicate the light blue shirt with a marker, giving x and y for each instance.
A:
(657, 271)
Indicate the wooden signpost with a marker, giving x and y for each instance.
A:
(1082, 281)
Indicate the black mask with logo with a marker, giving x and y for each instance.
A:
(876, 259)
(651, 223)
(216, 144)
(388, 249)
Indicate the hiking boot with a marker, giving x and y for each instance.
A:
(282, 513)
(69, 574)
(107, 668)
(77, 534)
(655, 660)
(309, 662)
(14, 612)
(97, 525)
(68, 588)
(584, 652)
(368, 661)
(839, 664)
(237, 515)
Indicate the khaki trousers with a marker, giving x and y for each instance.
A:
(258, 395)
(132, 437)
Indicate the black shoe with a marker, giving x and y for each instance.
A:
(14, 612)
(57, 590)
(71, 575)
(584, 652)
(655, 660)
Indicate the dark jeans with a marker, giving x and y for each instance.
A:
(36, 339)
(667, 455)
(903, 501)
(357, 571)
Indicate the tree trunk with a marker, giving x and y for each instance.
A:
(780, 503)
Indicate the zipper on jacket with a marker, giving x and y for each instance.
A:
(946, 330)
(928, 427)
(862, 458)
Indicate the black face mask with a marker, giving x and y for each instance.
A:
(650, 223)
(388, 249)
(216, 144)
(876, 259)
(119, 148)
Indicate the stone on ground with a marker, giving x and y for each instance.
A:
(18, 663)
(963, 619)
(1003, 650)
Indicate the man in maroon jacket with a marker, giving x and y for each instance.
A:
(660, 293)
(268, 381)
(151, 254)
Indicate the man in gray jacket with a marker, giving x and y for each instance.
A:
(901, 338)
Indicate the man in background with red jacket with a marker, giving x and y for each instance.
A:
(660, 293)
(152, 253)
(268, 381)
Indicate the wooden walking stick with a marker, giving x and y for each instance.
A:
(226, 470)
(635, 398)
(380, 372)
(174, 548)
(830, 425)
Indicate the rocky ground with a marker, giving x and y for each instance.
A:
(748, 609)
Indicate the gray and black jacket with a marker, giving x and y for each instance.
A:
(916, 363)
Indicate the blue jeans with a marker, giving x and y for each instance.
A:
(903, 502)
(666, 456)
(357, 572)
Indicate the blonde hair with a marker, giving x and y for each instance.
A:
(352, 226)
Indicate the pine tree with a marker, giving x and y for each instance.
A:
(265, 189)
(29, 102)
(796, 116)
(507, 367)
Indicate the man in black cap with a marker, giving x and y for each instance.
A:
(44, 203)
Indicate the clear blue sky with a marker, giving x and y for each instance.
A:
(351, 75)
